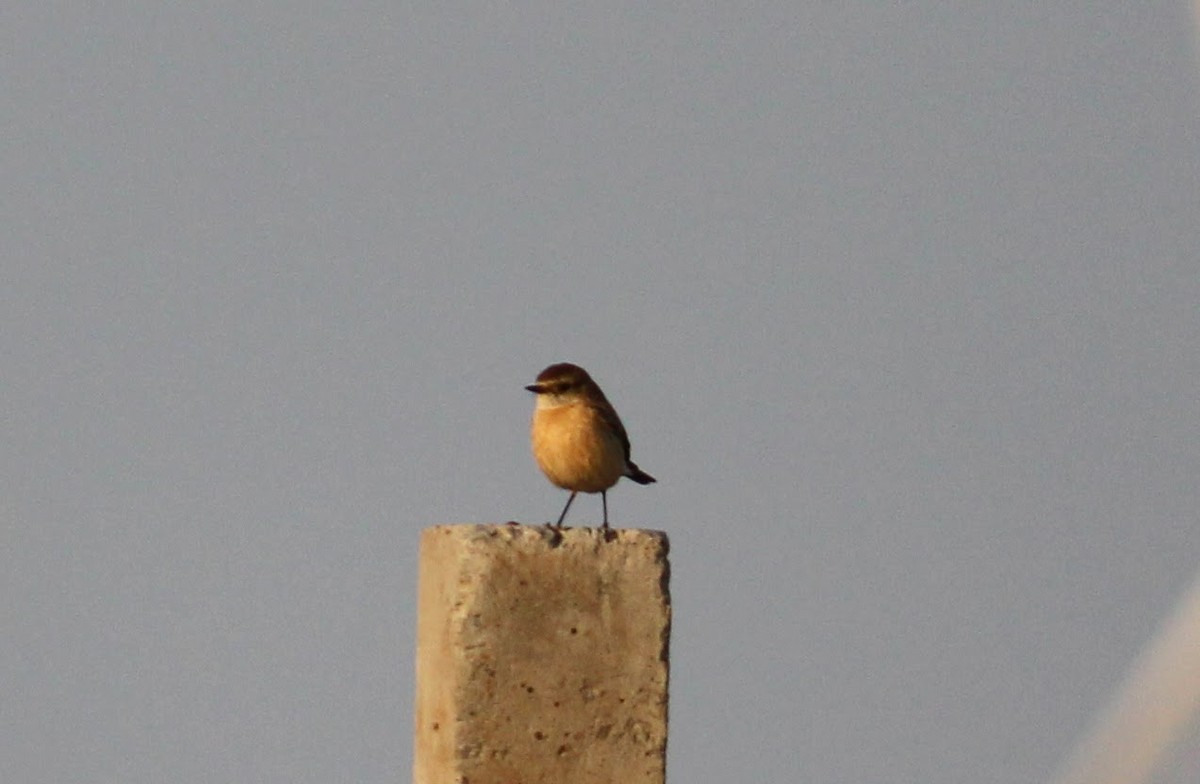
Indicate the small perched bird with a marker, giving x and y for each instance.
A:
(578, 439)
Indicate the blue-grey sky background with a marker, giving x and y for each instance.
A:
(898, 302)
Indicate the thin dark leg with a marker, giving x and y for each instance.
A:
(563, 516)
(604, 500)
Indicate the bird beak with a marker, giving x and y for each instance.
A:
(536, 388)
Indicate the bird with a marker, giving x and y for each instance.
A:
(578, 439)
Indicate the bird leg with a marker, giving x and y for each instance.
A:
(563, 516)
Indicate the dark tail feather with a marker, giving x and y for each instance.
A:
(638, 475)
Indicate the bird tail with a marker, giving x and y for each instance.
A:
(638, 475)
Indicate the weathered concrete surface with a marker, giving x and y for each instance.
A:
(541, 656)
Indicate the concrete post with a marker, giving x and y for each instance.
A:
(541, 656)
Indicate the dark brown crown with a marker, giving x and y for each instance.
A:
(561, 377)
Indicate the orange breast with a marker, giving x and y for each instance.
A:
(575, 449)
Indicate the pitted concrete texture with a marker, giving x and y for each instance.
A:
(541, 656)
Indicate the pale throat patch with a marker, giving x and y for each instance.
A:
(546, 400)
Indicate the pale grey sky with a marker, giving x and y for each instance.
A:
(897, 301)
